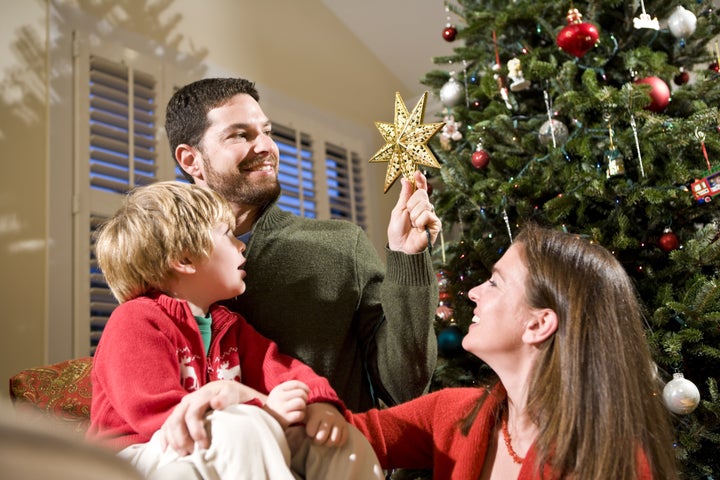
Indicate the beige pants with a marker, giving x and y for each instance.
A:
(249, 444)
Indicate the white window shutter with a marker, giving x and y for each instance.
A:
(345, 187)
(116, 145)
(296, 175)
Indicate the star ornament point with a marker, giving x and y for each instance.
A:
(406, 142)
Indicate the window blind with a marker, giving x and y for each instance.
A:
(345, 186)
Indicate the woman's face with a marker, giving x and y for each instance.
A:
(501, 311)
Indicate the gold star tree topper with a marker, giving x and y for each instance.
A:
(406, 142)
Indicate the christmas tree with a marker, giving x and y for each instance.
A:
(601, 119)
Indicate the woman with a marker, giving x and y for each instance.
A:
(576, 396)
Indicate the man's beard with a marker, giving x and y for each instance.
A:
(237, 189)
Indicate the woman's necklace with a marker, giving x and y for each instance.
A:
(508, 441)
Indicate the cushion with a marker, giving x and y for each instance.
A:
(61, 391)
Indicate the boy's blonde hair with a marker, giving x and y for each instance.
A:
(156, 225)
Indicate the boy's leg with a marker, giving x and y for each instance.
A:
(354, 460)
(247, 443)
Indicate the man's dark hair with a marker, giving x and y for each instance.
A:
(186, 114)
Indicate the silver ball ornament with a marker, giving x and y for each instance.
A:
(682, 22)
(550, 128)
(680, 395)
(451, 94)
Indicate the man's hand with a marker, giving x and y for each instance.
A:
(325, 425)
(287, 401)
(413, 213)
(186, 424)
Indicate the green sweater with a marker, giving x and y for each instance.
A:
(320, 291)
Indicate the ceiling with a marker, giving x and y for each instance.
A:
(405, 35)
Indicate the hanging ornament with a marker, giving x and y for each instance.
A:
(614, 159)
(496, 68)
(516, 75)
(480, 157)
(553, 131)
(682, 23)
(680, 395)
(451, 131)
(612, 156)
(659, 93)
(668, 241)
(644, 21)
(615, 162)
(444, 311)
(450, 31)
(450, 340)
(578, 37)
(715, 66)
(705, 188)
(682, 77)
(633, 125)
(451, 94)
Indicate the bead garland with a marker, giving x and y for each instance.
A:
(508, 442)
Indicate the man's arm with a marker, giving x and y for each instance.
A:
(402, 354)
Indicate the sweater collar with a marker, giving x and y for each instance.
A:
(179, 309)
(272, 218)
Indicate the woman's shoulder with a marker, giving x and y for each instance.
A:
(458, 395)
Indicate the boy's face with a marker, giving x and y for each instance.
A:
(221, 276)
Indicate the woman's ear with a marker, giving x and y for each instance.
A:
(542, 325)
(188, 159)
(183, 266)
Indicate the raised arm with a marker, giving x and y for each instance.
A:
(402, 355)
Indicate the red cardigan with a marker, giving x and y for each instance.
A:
(151, 355)
(424, 433)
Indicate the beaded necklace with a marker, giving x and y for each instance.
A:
(508, 441)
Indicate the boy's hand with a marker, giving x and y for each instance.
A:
(186, 424)
(287, 401)
(412, 214)
(326, 425)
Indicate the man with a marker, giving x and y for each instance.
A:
(317, 287)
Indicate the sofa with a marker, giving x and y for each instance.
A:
(61, 392)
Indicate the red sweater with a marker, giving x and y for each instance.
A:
(151, 354)
(424, 433)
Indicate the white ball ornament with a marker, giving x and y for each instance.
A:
(682, 22)
(680, 395)
(451, 94)
(553, 132)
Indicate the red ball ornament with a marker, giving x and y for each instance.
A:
(449, 33)
(578, 37)
(668, 241)
(681, 78)
(714, 66)
(480, 158)
(659, 93)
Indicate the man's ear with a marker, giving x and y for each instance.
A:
(542, 325)
(189, 160)
(185, 266)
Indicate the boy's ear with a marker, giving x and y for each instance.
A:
(542, 325)
(188, 159)
(183, 266)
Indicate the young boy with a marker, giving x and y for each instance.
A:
(178, 379)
